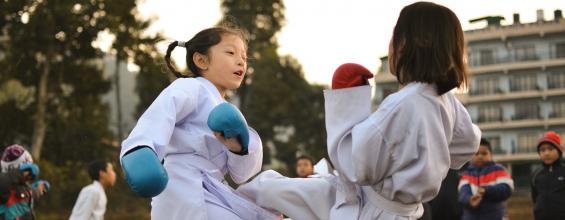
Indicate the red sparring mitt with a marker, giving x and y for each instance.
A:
(350, 75)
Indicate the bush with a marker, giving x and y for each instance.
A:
(67, 181)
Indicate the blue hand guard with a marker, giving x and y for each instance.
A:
(226, 119)
(32, 168)
(144, 173)
(46, 185)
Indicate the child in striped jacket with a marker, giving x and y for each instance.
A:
(484, 187)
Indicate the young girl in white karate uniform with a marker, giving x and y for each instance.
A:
(175, 130)
(391, 160)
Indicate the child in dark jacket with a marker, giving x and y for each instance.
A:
(548, 182)
(19, 186)
(484, 187)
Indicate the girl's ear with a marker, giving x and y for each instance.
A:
(200, 60)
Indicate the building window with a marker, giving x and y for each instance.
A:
(470, 59)
(495, 145)
(490, 113)
(487, 86)
(388, 91)
(486, 57)
(523, 83)
(526, 111)
(560, 50)
(384, 67)
(556, 80)
(527, 142)
(558, 109)
(524, 53)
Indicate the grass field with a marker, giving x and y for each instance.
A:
(519, 208)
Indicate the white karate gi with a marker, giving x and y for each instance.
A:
(175, 127)
(389, 161)
(91, 203)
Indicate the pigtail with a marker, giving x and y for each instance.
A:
(170, 49)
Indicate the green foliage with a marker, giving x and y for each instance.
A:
(66, 182)
(152, 77)
(14, 129)
(275, 98)
(56, 36)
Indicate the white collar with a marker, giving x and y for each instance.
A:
(97, 184)
(426, 87)
(211, 87)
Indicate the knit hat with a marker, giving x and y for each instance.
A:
(551, 138)
(13, 156)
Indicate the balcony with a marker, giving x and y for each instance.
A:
(515, 153)
(510, 61)
(521, 123)
(526, 55)
(520, 95)
(510, 31)
(504, 158)
(385, 77)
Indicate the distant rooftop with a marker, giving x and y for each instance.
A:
(495, 30)
(493, 22)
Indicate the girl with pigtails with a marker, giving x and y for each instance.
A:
(190, 137)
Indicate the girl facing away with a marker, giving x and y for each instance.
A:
(391, 160)
(175, 156)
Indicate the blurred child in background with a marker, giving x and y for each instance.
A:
(548, 182)
(19, 186)
(484, 187)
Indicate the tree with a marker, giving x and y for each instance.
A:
(48, 47)
(151, 79)
(262, 20)
(275, 98)
(129, 32)
(51, 85)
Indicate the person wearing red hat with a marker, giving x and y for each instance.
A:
(548, 182)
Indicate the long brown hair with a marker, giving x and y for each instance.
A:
(428, 46)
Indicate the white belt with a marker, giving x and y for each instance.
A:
(396, 208)
(198, 162)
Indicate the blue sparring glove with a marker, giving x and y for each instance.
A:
(144, 173)
(46, 185)
(226, 119)
(32, 168)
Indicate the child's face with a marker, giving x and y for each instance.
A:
(481, 157)
(548, 154)
(108, 177)
(227, 63)
(304, 168)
